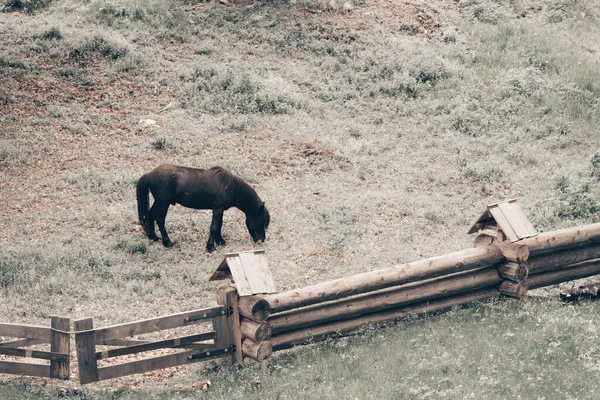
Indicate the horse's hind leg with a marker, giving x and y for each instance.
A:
(161, 215)
(151, 218)
(215, 231)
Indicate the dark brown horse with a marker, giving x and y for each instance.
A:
(214, 189)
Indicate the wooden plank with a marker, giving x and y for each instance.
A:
(105, 335)
(517, 219)
(126, 342)
(162, 344)
(150, 364)
(253, 273)
(25, 331)
(86, 351)
(20, 368)
(239, 275)
(525, 225)
(228, 297)
(60, 342)
(42, 355)
(504, 224)
(21, 342)
(265, 273)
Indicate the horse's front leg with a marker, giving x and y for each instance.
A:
(215, 231)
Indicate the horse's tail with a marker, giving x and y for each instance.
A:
(143, 201)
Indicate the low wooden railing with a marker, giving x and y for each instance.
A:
(29, 335)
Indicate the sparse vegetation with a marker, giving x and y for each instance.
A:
(376, 135)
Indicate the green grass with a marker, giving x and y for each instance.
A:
(375, 136)
(495, 349)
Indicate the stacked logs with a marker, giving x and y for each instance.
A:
(564, 255)
(514, 269)
(346, 305)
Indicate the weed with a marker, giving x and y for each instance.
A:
(28, 6)
(87, 52)
(52, 34)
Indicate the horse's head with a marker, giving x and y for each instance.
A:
(258, 224)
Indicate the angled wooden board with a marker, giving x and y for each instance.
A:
(250, 272)
(518, 220)
(504, 224)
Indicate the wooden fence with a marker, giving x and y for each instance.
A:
(222, 342)
(252, 327)
(29, 335)
(345, 306)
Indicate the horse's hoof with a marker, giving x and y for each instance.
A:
(210, 249)
(168, 244)
(221, 242)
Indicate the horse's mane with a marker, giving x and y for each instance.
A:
(246, 198)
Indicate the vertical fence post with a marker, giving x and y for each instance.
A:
(230, 326)
(60, 342)
(86, 350)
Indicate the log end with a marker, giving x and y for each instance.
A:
(254, 308)
(517, 290)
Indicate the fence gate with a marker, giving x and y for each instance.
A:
(29, 335)
(218, 343)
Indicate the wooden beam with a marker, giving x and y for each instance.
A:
(356, 325)
(21, 342)
(257, 331)
(517, 290)
(42, 355)
(150, 364)
(257, 350)
(60, 342)
(254, 308)
(461, 261)
(228, 298)
(550, 242)
(385, 299)
(557, 260)
(513, 271)
(104, 335)
(86, 350)
(565, 274)
(162, 344)
(20, 368)
(25, 331)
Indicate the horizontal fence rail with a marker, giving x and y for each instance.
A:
(57, 335)
(193, 347)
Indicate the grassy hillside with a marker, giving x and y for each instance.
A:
(375, 131)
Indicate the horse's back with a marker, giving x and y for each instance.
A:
(191, 187)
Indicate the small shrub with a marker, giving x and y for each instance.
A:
(88, 52)
(133, 246)
(28, 6)
(215, 92)
(51, 34)
(162, 143)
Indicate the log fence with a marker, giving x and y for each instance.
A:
(345, 306)
(250, 328)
